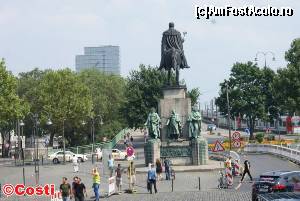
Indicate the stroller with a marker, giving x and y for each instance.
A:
(223, 184)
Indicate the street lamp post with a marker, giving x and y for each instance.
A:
(265, 56)
(228, 112)
(64, 142)
(36, 123)
(93, 119)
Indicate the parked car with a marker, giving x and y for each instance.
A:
(57, 157)
(211, 127)
(275, 182)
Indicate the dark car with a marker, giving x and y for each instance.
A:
(279, 197)
(276, 181)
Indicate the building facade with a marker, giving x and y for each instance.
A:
(103, 58)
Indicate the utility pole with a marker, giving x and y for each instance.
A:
(228, 111)
(64, 142)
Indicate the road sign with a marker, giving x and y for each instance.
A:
(129, 151)
(237, 144)
(236, 136)
(218, 147)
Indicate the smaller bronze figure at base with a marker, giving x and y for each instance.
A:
(174, 126)
(152, 123)
(194, 121)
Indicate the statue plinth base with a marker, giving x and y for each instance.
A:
(175, 98)
(199, 151)
(152, 151)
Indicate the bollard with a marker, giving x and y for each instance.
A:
(172, 185)
(24, 176)
(92, 158)
(199, 183)
(42, 160)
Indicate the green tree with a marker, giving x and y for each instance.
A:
(28, 83)
(194, 94)
(143, 91)
(67, 100)
(11, 106)
(287, 83)
(246, 95)
(108, 95)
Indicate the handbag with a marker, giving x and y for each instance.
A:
(148, 185)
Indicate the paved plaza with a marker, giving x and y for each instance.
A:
(186, 184)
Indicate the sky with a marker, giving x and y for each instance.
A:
(49, 33)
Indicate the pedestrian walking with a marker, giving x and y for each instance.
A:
(74, 182)
(65, 190)
(119, 178)
(131, 175)
(110, 164)
(246, 170)
(131, 139)
(152, 179)
(96, 183)
(75, 163)
(79, 190)
(167, 168)
(158, 169)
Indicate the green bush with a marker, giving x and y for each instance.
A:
(259, 137)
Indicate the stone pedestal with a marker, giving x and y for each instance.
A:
(199, 151)
(179, 153)
(152, 151)
(174, 98)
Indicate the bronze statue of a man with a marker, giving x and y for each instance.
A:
(172, 54)
(174, 126)
(153, 123)
(194, 121)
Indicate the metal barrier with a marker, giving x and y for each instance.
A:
(291, 154)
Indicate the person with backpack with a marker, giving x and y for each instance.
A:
(246, 170)
(65, 190)
(152, 179)
(119, 178)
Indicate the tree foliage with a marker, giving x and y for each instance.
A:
(108, 95)
(194, 94)
(11, 106)
(245, 90)
(287, 83)
(143, 91)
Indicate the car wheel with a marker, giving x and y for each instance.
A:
(55, 161)
(80, 159)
